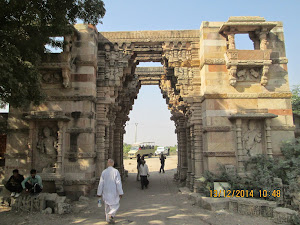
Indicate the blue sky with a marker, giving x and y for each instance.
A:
(150, 109)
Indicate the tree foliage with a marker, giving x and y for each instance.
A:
(296, 99)
(25, 28)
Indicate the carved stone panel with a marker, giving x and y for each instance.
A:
(248, 74)
(252, 137)
(46, 154)
(52, 77)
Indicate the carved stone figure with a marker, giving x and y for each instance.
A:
(66, 77)
(232, 75)
(251, 139)
(47, 146)
(241, 75)
(264, 78)
(254, 73)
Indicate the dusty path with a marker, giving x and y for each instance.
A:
(159, 204)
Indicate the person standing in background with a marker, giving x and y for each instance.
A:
(162, 159)
(144, 173)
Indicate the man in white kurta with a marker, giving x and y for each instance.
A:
(110, 189)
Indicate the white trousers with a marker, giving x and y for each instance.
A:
(111, 210)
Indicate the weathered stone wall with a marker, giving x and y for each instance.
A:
(227, 104)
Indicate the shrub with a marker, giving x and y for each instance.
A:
(262, 173)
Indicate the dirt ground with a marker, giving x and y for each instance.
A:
(160, 204)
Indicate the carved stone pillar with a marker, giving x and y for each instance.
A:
(122, 152)
(198, 150)
(31, 143)
(263, 40)
(255, 40)
(111, 142)
(178, 154)
(107, 142)
(100, 140)
(117, 144)
(189, 159)
(268, 138)
(231, 41)
(183, 162)
(198, 143)
(60, 138)
(240, 152)
(192, 182)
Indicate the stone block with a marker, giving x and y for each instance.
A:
(184, 190)
(213, 204)
(247, 207)
(83, 199)
(283, 215)
(63, 208)
(47, 211)
(252, 207)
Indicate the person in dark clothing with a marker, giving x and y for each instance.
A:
(138, 160)
(162, 159)
(14, 184)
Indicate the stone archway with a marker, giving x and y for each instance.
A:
(212, 89)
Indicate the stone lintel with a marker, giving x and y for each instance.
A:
(219, 154)
(252, 116)
(73, 98)
(80, 130)
(149, 71)
(51, 176)
(281, 95)
(149, 36)
(45, 115)
(245, 24)
(150, 82)
(216, 129)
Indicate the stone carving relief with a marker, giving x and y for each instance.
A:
(250, 74)
(247, 74)
(252, 138)
(232, 75)
(51, 77)
(47, 150)
(184, 77)
(66, 77)
(177, 53)
(264, 78)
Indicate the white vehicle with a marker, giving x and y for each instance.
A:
(164, 150)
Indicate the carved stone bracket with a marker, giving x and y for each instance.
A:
(264, 78)
(232, 75)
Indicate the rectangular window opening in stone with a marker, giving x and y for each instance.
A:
(243, 42)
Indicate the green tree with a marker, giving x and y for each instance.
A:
(126, 148)
(25, 28)
(296, 99)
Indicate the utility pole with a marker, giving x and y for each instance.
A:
(136, 124)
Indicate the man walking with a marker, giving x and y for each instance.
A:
(110, 189)
(144, 172)
(162, 162)
(14, 184)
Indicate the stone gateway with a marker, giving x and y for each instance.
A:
(227, 104)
